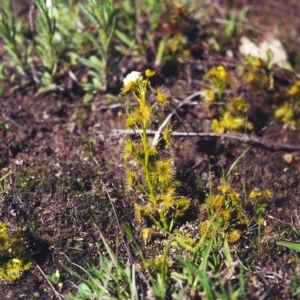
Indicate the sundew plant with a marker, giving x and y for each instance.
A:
(228, 113)
(146, 171)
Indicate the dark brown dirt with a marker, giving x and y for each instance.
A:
(60, 154)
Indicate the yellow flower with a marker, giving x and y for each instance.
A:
(250, 76)
(234, 235)
(209, 97)
(138, 209)
(294, 89)
(164, 171)
(161, 97)
(143, 113)
(253, 62)
(130, 178)
(203, 207)
(147, 235)
(234, 197)
(131, 120)
(226, 214)
(237, 104)
(216, 201)
(260, 221)
(224, 188)
(220, 72)
(230, 122)
(152, 151)
(217, 72)
(254, 193)
(128, 148)
(206, 228)
(182, 204)
(150, 73)
(267, 193)
(286, 113)
(217, 126)
(165, 202)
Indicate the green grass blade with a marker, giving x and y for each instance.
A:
(291, 245)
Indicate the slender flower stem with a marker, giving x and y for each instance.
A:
(146, 159)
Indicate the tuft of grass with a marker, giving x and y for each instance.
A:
(2, 181)
(110, 281)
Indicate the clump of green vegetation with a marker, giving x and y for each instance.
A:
(59, 41)
(228, 114)
(227, 212)
(14, 260)
(146, 171)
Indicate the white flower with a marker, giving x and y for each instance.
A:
(132, 77)
(49, 4)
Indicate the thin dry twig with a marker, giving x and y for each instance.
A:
(245, 138)
(173, 112)
(130, 257)
(56, 293)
